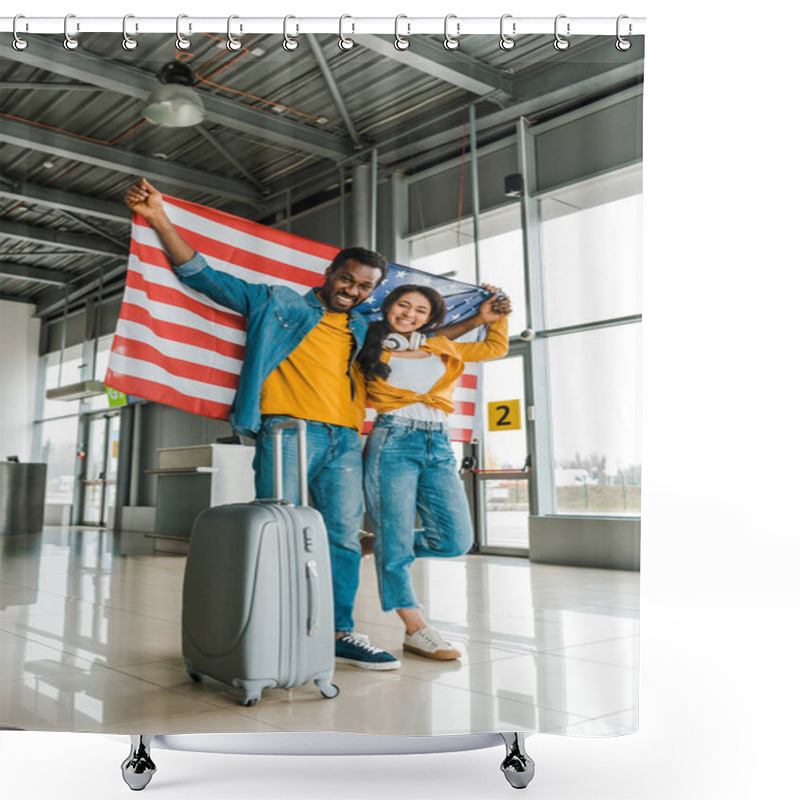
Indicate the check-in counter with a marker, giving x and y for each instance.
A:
(191, 479)
(22, 490)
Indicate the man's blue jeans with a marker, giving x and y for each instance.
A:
(409, 467)
(334, 487)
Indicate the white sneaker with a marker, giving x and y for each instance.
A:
(428, 643)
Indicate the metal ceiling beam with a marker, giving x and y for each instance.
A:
(65, 201)
(39, 253)
(61, 86)
(333, 88)
(113, 76)
(77, 241)
(302, 183)
(96, 228)
(114, 158)
(33, 274)
(453, 67)
(14, 298)
(52, 300)
(547, 90)
(226, 153)
(416, 144)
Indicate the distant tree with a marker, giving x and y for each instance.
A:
(632, 474)
(594, 464)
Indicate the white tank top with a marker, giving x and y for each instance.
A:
(417, 375)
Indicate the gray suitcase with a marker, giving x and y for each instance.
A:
(257, 593)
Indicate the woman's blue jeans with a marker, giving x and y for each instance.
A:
(334, 488)
(409, 468)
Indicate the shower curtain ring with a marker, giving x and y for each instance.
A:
(451, 42)
(560, 42)
(345, 42)
(128, 42)
(233, 43)
(400, 42)
(70, 42)
(19, 43)
(289, 43)
(181, 42)
(507, 41)
(623, 44)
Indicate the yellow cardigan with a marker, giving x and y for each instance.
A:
(385, 398)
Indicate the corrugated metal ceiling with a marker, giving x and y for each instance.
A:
(393, 106)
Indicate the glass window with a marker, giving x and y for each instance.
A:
(592, 251)
(503, 380)
(595, 391)
(502, 259)
(505, 498)
(58, 450)
(447, 251)
(100, 402)
(71, 371)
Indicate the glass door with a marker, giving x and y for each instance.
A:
(503, 476)
(99, 480)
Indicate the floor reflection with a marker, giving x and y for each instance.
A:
(90, 641)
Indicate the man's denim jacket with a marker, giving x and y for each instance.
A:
(278, 318)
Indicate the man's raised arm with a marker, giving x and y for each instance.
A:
(144, 199)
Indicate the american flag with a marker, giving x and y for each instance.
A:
(175, 346)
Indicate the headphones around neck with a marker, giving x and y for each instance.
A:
(398, 342)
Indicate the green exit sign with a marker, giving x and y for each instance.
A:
(116, 398)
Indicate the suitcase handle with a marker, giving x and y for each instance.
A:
(313, 597)
(302, 458)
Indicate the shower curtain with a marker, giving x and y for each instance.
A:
(517, 166)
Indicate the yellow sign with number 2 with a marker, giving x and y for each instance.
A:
(504, 415)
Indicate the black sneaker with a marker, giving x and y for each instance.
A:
(355, 649)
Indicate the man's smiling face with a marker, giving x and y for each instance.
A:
(350, 284)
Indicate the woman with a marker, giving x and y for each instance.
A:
(409, 466)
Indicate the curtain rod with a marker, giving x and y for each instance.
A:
(347, 25)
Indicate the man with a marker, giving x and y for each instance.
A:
(298, 362)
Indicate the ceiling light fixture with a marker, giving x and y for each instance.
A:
(174, 104)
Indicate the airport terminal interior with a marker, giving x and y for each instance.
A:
(518, 168)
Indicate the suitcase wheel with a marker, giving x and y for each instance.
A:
(329, 691)
(251, 699)
(196, 676)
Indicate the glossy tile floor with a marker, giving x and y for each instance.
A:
(90, 641)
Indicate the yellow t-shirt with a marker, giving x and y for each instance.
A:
(312, 381)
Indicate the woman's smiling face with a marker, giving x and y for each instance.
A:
(408, 313)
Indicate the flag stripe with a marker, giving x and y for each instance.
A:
(174, 296)
(130, 348)
(246, 259)
(126, 329)
(247, 270)
(180, 333)
(288, 240)
(162, 393)
(239, 240)
(464, 408)
(468, 381)
(146, 370)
